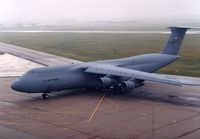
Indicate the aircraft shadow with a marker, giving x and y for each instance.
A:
(173, 98)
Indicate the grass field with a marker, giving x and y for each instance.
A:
(91, 46)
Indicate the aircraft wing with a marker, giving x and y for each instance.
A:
(124, 72)
(41, 58)
(15, 60)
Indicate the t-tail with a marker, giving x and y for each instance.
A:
(175, 40)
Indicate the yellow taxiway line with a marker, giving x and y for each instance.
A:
(95, 110)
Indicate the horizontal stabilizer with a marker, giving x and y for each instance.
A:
(185, 27)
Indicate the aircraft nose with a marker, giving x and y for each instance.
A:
(17, 86)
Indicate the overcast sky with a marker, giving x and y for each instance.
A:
(45, 11)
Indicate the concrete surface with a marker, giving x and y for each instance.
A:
(149, 112)
(1, 53)
(154, 111)
(14, 66)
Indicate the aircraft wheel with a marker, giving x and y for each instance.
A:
(45, 96)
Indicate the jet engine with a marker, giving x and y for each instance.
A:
(128, 85)
(105, 81)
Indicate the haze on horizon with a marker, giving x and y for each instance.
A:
(50, 11)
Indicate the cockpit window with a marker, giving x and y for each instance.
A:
(30, 72)
(17, 80)
(48, 71)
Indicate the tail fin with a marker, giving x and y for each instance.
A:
(175, 40)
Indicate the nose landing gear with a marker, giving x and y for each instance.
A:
(45, 96)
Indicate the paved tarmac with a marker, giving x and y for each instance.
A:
(15, 66)
(153, 111)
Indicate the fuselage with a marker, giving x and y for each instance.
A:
(70, 76)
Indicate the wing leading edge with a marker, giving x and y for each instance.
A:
(123, 72)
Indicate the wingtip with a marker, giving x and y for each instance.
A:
(189, 83)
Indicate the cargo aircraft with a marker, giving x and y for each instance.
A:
(119, 75)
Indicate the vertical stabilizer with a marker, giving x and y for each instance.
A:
(175, 40)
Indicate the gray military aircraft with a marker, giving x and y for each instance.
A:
(120, 75)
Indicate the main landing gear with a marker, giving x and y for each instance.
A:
(45, 96)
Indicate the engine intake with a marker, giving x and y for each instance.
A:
(106, 82)
(128, 85)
